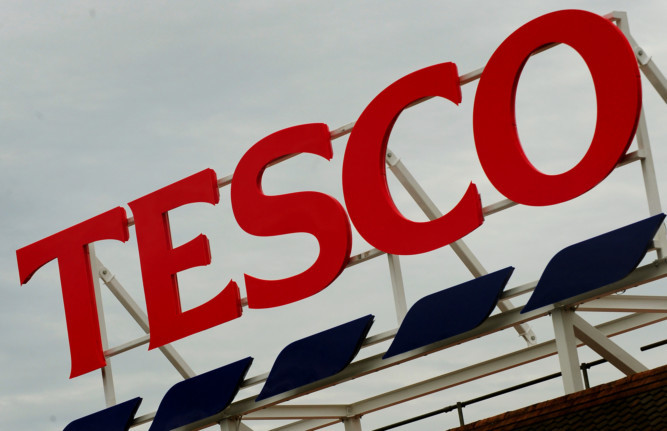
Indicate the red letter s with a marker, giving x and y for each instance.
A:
(310, 212)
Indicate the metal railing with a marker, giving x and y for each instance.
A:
(584, 367)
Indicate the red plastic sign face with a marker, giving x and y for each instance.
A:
(70, 247)
(160, 262)
(616, 78)
(615, 74)
(315, 213)
(364, 174)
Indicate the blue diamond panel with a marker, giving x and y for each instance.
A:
(200, 397)
(594, 263)
(115, 418)
(316, 357)
(449, 312)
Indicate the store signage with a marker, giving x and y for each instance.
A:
(370, 208)
(198, 401)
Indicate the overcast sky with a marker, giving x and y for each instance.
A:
(104, 102)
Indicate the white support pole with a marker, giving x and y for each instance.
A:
(501, 205)
(230, 424)
(233, 424)
(606, 348)
(647, 66)
(650, 182)
(364, 256)
(307, 425)
(107, 374)
(657, 79)
(627, 304)
(352, 424)
(459, 247)
(142, 319)
(296, 411)
(397, 287)
(113, 351)
(566, 343)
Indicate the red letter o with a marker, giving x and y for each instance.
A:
(615, 74)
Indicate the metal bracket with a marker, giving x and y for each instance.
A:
(642, 57)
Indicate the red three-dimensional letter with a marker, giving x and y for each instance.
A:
(615, 74)
(70, 247)
(315, 213)
(160, 262)
(367, 197)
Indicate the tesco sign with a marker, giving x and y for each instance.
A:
(369, 206)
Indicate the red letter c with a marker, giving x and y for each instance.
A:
(367, 197)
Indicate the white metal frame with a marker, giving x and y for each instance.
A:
(570, 329)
